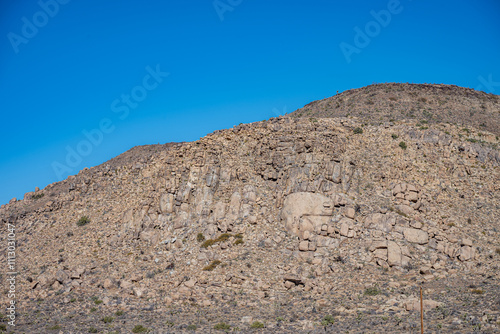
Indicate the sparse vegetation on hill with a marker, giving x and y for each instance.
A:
(291, 225)
(434, 103)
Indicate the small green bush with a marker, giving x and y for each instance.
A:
(239, 242)
(84, 220)
(358, 131)
(212, 265)
(107, 320)
(394, 136)
(139, 329)
(38, 196)
(191, 327)
(223, 237)
(208, 243)
(372, 291)
(92, 330)
(257, 324)
(402, 145)
(119, 313)
(54, 328)
(327, 320)
(222, 326)
(200, 237)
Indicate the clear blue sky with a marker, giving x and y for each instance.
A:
(71, 66)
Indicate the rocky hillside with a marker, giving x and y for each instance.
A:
(379, 103)
(290, 225)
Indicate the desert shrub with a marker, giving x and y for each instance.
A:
(394, 136)
(84, 220)
(212, 265)
(200, 237)
(402, 145)
(239, 242)
(210, 242)
(373, 291)
(358, 131)
(38, 196)
(97, 301)
(222, 326)
(107, 320)
(327, 320)
(257, 324)
(139, 329)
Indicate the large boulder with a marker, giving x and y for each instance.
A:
(416, 236)
(307, 205)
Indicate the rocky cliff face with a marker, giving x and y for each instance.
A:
(296, 223)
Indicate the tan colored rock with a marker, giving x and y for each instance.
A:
(413, 304)
(397, 189)
(407, 210)
(394, 255)
(109, 283)
(377, 245)
(167, 203)
(466, 242)
(416, 236)
(246, 320)
(349, 212)
(344, 229)
(380, 253)
(411, 188)
(297, 205)
(466, 253)
(304, 246)
(62, 276)
(139, 291)
(126, 285)
(411, 196)
(191, 283)
(136, 277)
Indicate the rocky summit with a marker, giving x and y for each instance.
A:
(327, 220)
